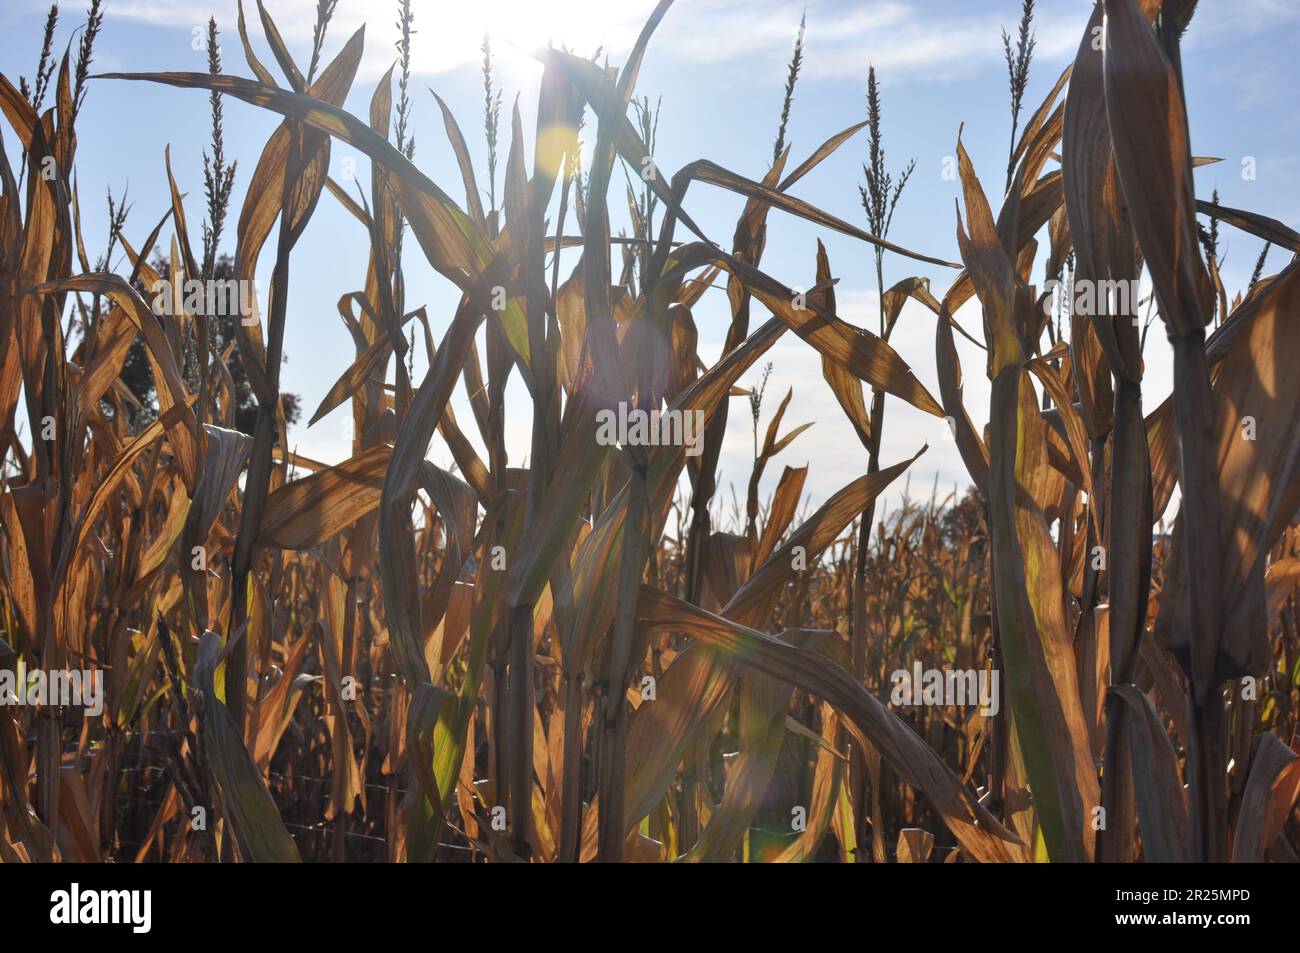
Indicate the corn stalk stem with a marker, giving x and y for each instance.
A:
(257, 483)
(520, 734)
(572, 779)
(1194, 422)
(636, 547)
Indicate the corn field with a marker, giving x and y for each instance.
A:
(586, 656)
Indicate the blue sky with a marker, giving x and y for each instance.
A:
(719, 66)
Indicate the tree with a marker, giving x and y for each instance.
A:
(138, 377)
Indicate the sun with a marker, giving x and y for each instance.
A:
(517, 28)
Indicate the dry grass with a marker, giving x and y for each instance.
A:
(384, 660)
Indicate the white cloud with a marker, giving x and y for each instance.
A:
(446, 36)
(905, 41)
(1214, 22)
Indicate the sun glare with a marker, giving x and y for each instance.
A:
(519, 27)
